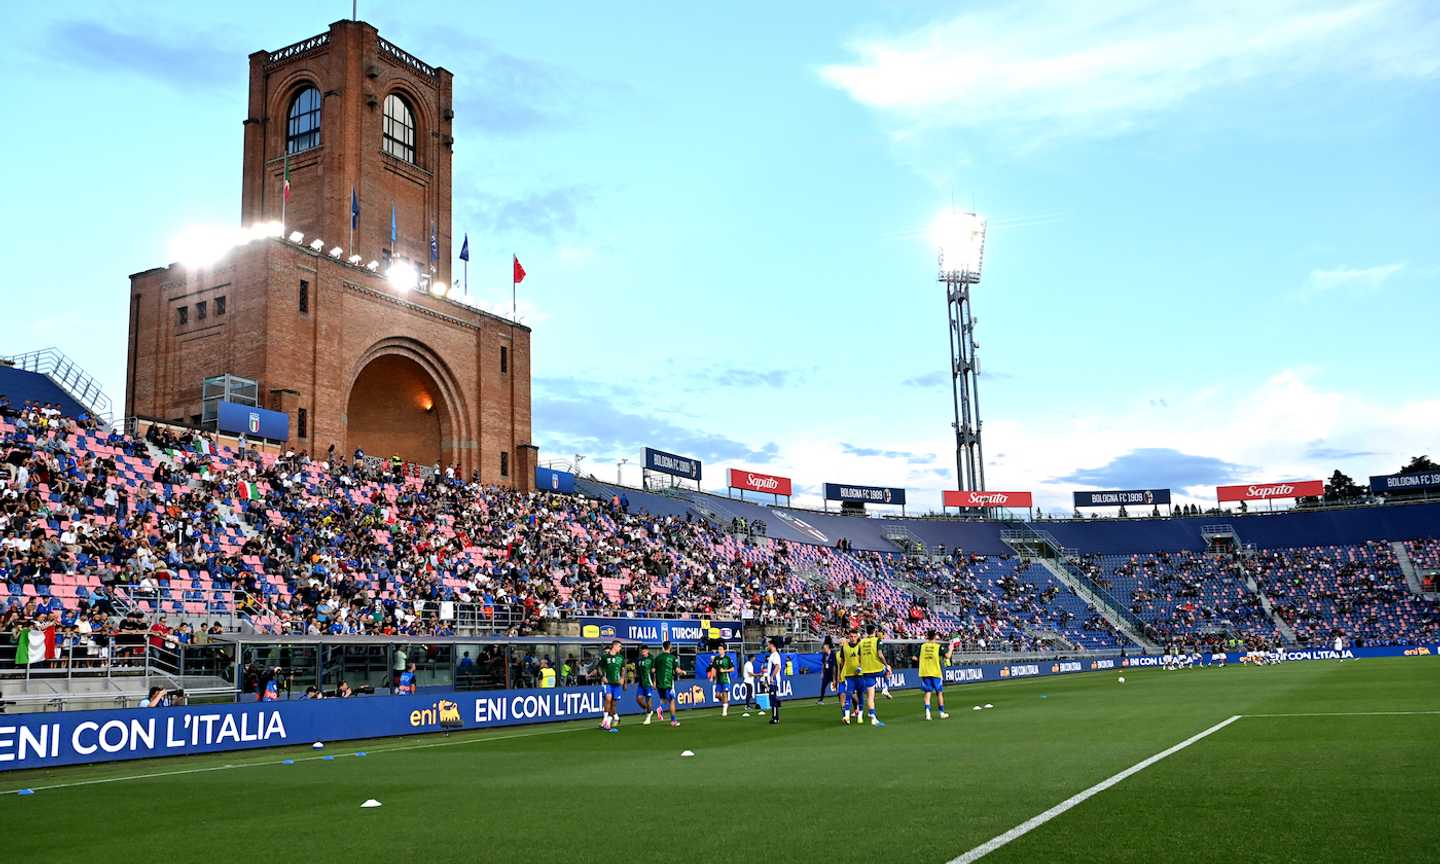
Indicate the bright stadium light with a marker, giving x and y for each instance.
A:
(297, 237)
(403, 274)
(336, 251)
(355, 260)
(266, 230)
(960, 237)
(200, 246)
(317, 244)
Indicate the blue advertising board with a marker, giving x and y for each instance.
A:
(1389, 484)
(551, 480)
(252, 422)
(1123, 498)
(657, 630)
(866, 494)
(48, 739)
(669, 463)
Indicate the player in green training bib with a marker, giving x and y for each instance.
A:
(721, 669)
(645, 682)
(667, 669)
(612, 673)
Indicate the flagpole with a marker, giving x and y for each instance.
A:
(466, 264)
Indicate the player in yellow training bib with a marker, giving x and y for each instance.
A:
(932, 673)
(872, 666)
(848, 677)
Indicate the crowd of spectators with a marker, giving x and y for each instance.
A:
(94, 523)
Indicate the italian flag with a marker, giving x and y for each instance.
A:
(248, 491)
(36, 645)
(286, 189)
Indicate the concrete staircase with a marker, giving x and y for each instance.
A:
(1123, 620)
(1041, 546)
(1287, 633)
(1412, 576)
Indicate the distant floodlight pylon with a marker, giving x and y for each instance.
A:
(960, 238)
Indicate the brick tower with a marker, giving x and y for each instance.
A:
(352, 357)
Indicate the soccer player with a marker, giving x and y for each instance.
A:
(774, 668)
(748, 681)
(932, 676)
(849, 676)
(407, 680)
(872, 666)
(645, 682)
(1340, 646)
(827, 669)
(612, 670)
(667, 668)
(721, 668)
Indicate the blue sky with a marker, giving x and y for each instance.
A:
(1212, 254)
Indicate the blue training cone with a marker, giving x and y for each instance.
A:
(328, 758)
(359, 752)
(26, 792)
(287, 761)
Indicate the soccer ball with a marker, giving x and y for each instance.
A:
(1122, 679)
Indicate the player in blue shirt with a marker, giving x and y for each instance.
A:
(407, 681)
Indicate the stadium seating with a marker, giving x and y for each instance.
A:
(100, 523)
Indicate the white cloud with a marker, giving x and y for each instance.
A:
(1096, 68)
(1352, 280)
(1285, 427)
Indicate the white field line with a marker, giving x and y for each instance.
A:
(425, 746)
(1346, 714)
(1035, 822)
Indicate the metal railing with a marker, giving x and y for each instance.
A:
(76, 382)
(394, 52)
(127, 655)
(304, 46)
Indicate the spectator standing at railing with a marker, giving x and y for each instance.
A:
(398, 667)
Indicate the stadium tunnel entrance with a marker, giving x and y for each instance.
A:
(399, 404)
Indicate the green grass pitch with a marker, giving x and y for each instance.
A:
(1342, 781)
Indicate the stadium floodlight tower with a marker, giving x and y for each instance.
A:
(961, 238)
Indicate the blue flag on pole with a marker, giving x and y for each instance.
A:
(434, 246)
(393, 233)
(465, 249)
(354, 209)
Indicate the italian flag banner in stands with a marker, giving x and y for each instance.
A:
(36, 645)
(249, 491)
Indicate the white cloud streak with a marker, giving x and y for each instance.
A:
(1272, 425)
(1101, 67)
(1350, 280)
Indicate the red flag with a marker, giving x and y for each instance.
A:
(519, 271)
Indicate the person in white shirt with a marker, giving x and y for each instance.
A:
(774, 671)
(747, 675)
(1340, 646)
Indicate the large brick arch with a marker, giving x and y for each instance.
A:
(385, 404)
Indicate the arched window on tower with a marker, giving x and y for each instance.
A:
(399, 130)
(303, 129)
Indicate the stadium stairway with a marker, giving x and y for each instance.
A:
(1287, 632)
(1412, 577)
(1124, 622)
(1031, 542)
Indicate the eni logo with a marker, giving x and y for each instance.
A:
(694, 696)
(444, 713)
